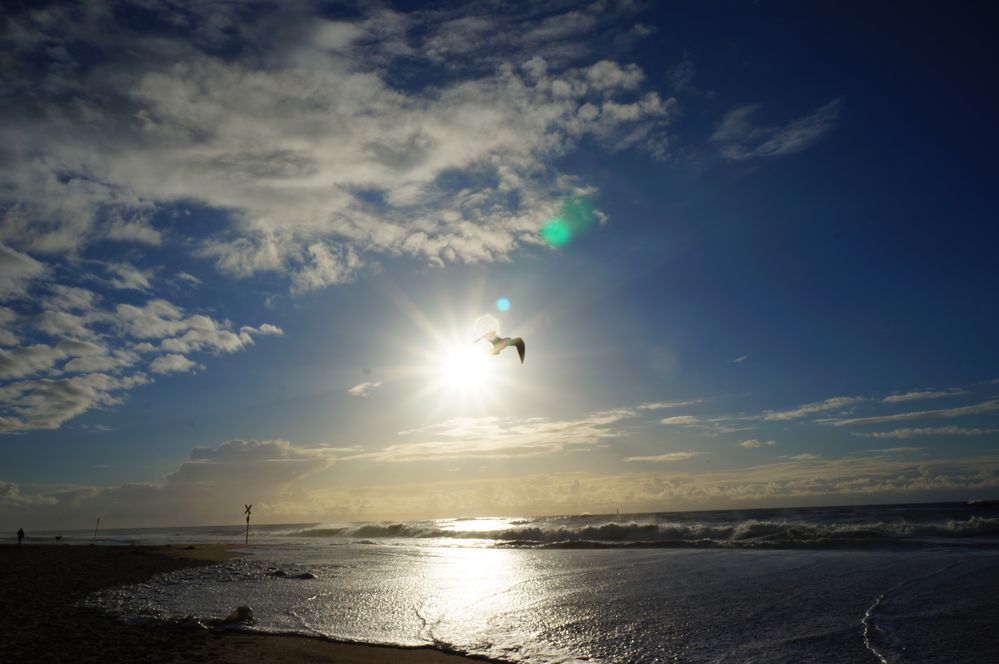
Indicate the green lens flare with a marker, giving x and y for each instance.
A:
(556, 232)
(575, 216)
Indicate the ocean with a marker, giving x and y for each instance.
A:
(889, 583)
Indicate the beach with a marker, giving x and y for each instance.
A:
(833, 585)
(42, 585)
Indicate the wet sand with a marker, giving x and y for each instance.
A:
(40, 586)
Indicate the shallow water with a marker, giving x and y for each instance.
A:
(902, 586)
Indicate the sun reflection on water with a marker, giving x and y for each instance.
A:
(467, 589)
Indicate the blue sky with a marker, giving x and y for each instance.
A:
(244, 251)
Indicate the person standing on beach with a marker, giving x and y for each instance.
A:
(20, 535)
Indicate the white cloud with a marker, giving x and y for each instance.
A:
(494, 437)
(738, 138)
(7, 319)
(805, 457)
(739, 360)
(17, 271)
(173, 363)
(989, 406)
(284, 485)
(663, 405)
(155, 319)
(128, 277)
(264, 330)
(70, 298)
(188, 278)
(755, 443)
(665, 458)
(104, 362)
(325, 265)
(607, 75)
(318, 159)
(203, 489)
(62, 324)
(680, 420)
(836, 403)
(896, 450)
(928, 431)
(924, 394)
(93, 357)
(46, 403)
(364, 389)
(26, 360)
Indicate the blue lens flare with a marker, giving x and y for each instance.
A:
(503, 304)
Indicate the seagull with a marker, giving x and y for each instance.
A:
(499, 343)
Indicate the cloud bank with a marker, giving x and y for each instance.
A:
(211, 486)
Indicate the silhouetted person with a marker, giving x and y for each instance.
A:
(20, 535)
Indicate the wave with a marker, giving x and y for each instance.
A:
(750, 533)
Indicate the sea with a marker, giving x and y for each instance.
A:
(885, 583)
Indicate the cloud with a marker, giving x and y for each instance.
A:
(24, 361)
(105, 361)
(680, 420)
(286, 484)
(897, 450)
(754, 443)
(989, 406)
(155, 319)
(89, 355)
(494, 437)
(681, 76)
(205, 489)
(739, 360)
(173, 363)
(315, 146)
(738, 138)
(70, 298)
(188, 278)
(805, 457)
(836, 403)
(364, 389)
(46, 403)
(265, 330)
(663, 405)
(666, 458)
(928, 431)
(924, 394)
(17, 271)
(128, 277)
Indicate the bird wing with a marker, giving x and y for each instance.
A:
(490, 336)
(521, 348)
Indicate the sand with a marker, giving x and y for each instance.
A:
(39, 622)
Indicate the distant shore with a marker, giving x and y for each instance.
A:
(40, 586)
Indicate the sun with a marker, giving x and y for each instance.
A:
(465, 367)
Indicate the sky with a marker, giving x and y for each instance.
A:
(245, 249)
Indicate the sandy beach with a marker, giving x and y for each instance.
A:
(40, 586)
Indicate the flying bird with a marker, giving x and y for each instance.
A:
(499, 343)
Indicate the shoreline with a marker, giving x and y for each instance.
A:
(42, 585)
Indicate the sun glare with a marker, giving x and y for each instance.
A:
(465, 367)
(449, 362)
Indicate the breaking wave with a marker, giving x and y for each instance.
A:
(747, 533)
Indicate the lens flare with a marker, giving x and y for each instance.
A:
(575, 216)
(503, 304)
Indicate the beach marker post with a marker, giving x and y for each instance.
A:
(247, 521)
(95, 528)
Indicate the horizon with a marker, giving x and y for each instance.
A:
(246, 251)
(971, 504)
